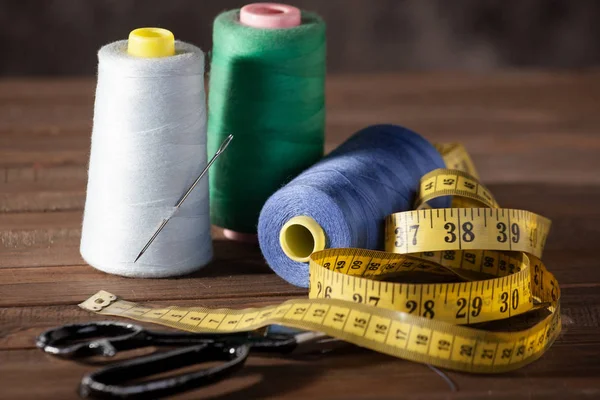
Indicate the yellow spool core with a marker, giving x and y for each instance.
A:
(151, 43)
(300, 237)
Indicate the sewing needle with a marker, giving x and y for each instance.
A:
(185, 196)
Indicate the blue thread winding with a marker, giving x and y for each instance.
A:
(349, 193)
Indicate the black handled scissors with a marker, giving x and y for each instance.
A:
(107, 338)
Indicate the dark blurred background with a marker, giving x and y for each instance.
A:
(60, 37)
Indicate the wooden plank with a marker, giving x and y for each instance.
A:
(565, 157)
(526, 98)
(52, 239)
(63, 189)
(31, 239)
(54, 186)
(519, 126)
(19, 326)
(515, 124)
(511, 153)
(42, 188)
(47, 196)
(571, 249)
(261, 378)
(566, 371)
(229, 276)
(239, 271)
(233, 264)
(577, 349)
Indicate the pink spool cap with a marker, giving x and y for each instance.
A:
(270, 16)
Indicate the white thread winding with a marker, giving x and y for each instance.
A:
(148, 147)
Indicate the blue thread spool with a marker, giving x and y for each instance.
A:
(342, 200)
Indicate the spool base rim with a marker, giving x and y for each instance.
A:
(143, 271)
(240, 236)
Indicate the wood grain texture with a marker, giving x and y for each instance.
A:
(19, 325)
(534, 136)
(52, 238)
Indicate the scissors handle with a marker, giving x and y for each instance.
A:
(101, 338)
(106, 338)
(111, 382)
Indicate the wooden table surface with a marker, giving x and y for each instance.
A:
(533, 135)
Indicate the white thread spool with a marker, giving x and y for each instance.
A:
(148, 146)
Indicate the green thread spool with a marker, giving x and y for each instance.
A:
(267, 87)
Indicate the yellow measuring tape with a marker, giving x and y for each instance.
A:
(492, 255)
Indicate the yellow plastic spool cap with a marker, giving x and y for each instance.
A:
(151, 43)
(300, 237)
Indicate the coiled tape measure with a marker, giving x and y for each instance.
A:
(496, 253)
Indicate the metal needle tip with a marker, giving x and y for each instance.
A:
(138, 256)
(220, 150)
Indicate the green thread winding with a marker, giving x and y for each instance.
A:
(267, 89)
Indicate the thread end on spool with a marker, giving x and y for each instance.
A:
(151, 43)
(300, 237)
(270, 15)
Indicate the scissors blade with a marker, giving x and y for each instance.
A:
(307, 342)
